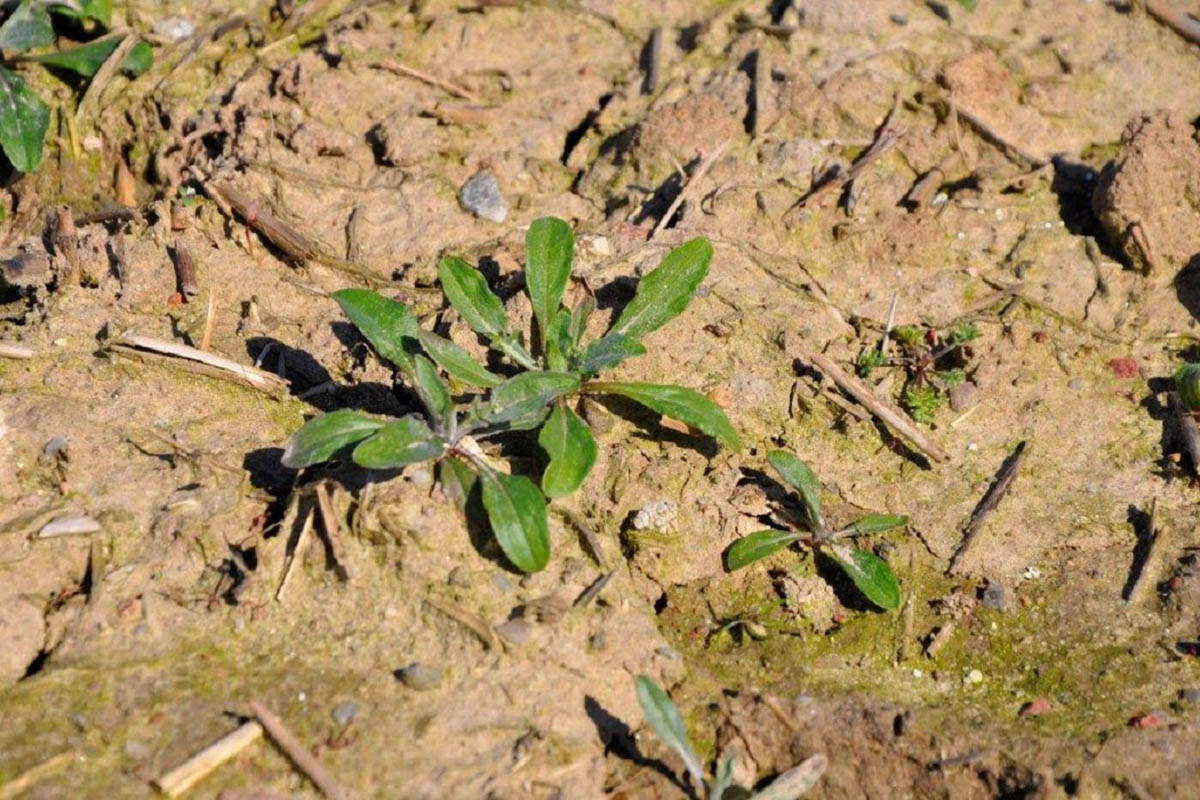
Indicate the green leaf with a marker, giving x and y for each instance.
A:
(579, 319)
(26, 28)
(572, 450)
(876, 523)
(1187, 383)
(467, 290)
(678, 403)
(457, 478)
(798, 474)
(86, 59)
(398, 444)
(99, 10)
(724, 779)
(517, 512)
(325, 436)
(456, 361)
(559, 345)
(667, 722)
(526, 393)
(665, 291)
(432, 389)
(757, 545)
(23, 122)
(871, 574)
(609, 351)
(796, 781)
(549, 250)
(383, 322)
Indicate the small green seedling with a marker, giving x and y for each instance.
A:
(536, 397)
(667, 722)
(25, 34)
(1187, 382)
(871, 574)
(933, 364)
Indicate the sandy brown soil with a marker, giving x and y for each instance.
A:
(1047, 144)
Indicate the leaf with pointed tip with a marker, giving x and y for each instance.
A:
(678, 403)
(549, 250)
(526, 393)
(398, 444)
(27, 27)
(468, 291)
(876, 523)
(517, 511)
(456, 361)
(572, 450)
(803, 479)
(609, 351)
(667, 722)
(86, 59)
(796, 781)
(757, 545)
(871, 574)
(666, 290)
(24, 119)
(383, 322)
(325, 436)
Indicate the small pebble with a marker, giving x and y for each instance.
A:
(459, 577)
(656, 515)
(598, 641)
(1076, 384)
(136, 750)
(481, 196)
(502, 583)
(1190, 696)
(421, 677)
(669, 652)
(995, 596)
(1032, 573)
(174, 28)
(973, 677)
(963, 395)
(515, 631)
(344, 713)
(1035, 708)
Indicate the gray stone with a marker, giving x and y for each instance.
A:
(995, 596)
(344, 713)
(963, 395)
(481, 196)
(421, 677)
(515, 631)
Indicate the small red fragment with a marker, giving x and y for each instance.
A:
(1041, 337)
(1148, 721)
(1036, 707)
(175, 300)
(1124, 367)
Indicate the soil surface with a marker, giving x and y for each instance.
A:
(1032, 168)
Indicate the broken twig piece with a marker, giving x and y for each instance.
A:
(300, 755)
(196, 768)
(997, 491)
(147, 348)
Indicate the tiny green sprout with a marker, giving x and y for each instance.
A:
(933, 363)
(534, 392)
(662, 715)
(921, 403)
(1187, 382)
(870, 574)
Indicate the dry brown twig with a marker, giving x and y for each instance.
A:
(195, 769)
(1183, 24)
(991, 499)
(690, 188)
(300, 755)
(297, 556)
(147, 348)
(32, 776)
(14, 350)
(392, 65)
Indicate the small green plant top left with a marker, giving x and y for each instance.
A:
(870, 573)
(25, 36)
(561, 366)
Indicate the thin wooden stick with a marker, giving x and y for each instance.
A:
(1181, 23)
(185, 271)
(210, 321)
(300, 755)
(196, 768)
(30, 777)
(690, 189)
(392, 65)
(14, 350)
(991, 499)
(881, 408)
(333, 529)
(653, 61)
(297, 555)
(139, 347)
(885, 141)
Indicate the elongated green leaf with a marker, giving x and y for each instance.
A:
(517, 512)
(609, 351)
(549, 250)
(666, 290)
(559, 345)
(27, 27)
(526, 393)
(798, 474)
(86, 59)
(579, 319)
(325, 436)
(384, 322)
(398, 444)
(456, 361)
(457, 478)
(467, 290)
(572, 450)
(757, 545)
(871, 574)
(678, 403)
(667, 722)
(99, 10)
(877, 523)
(23, 122)
(796, 781)
(432, 389)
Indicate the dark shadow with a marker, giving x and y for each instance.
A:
(576, 134)
(748, 66)
(1074, 184)
(618, 740)
(1144, 531)
(664, 194)
(845, 590)
(689, 36)
(1187, 286)
(266, 472)
(616, 293)
(650, 428)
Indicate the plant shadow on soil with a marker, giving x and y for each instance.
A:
(618, 740)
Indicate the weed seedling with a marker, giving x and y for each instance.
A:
(933, 363)
(871, 574)
(667, 722)
(536, 397)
